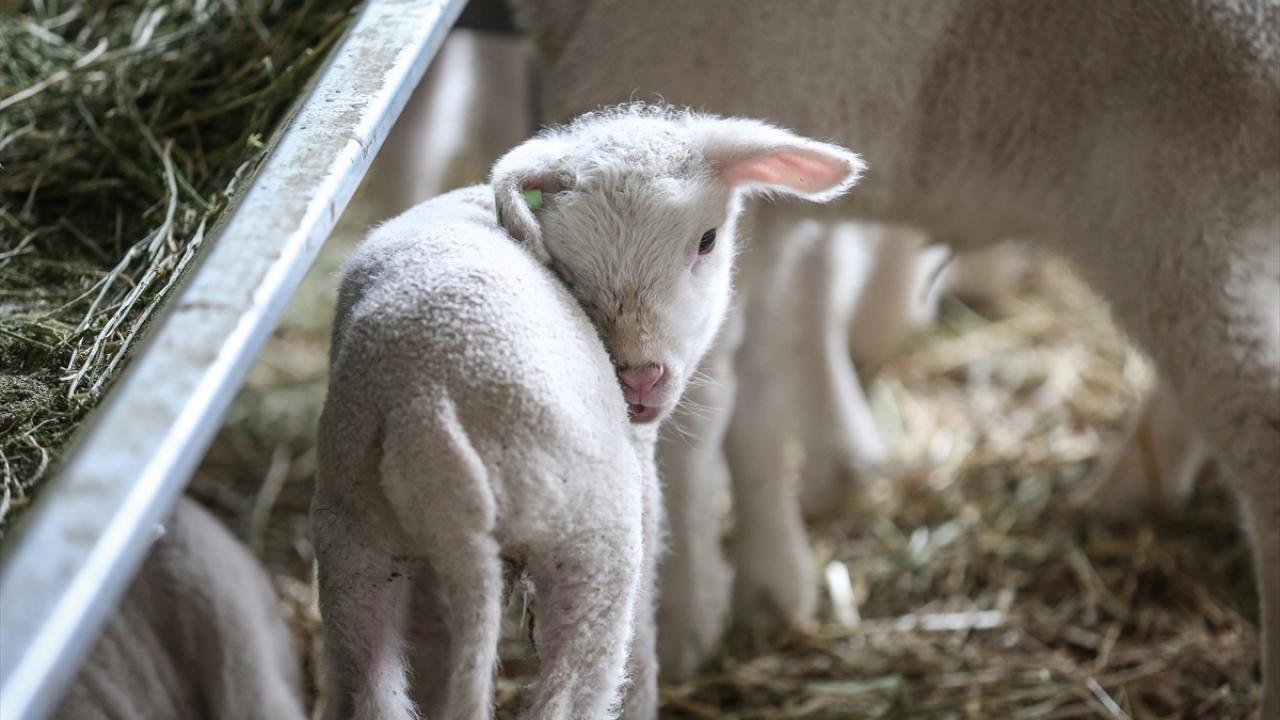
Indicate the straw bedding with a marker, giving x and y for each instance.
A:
(983, 583)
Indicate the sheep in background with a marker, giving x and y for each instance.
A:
(198, 634)
(1137, 139)
(864, 285)
(873, 277)
(473, 105)
(495, 398)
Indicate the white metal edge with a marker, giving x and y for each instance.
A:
(69, 561)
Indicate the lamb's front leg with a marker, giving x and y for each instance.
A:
(775, 581)
(836, 427)
(693, 595)
(642, 664)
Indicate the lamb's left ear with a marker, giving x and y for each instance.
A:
(528, 171)
(756, 157)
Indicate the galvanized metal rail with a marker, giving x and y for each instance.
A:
(72, 557)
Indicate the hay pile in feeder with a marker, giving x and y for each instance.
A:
(125, 127)
(977, 587)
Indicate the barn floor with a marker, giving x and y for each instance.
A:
(1053, 609)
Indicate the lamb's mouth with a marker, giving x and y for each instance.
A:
(638, 413)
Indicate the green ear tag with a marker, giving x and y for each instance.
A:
(532, 198)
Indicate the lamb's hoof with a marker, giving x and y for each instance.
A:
(683, 651)
(691, 627)
(767, 603)
(829, 488)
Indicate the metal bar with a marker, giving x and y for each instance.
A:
(72, 557)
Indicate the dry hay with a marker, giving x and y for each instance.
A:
(980, 590)
(125, 127)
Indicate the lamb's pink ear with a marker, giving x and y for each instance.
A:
(530, 166)
(755, 157)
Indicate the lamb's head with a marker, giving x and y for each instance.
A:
(634, 209)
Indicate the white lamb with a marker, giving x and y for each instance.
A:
(1137, 138)
(482, 381)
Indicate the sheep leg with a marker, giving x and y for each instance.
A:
(429, 641)
(1210, 316)
(878, 285)
(437, 485)
(237, 635)
(1157, 465)
(839, 434)
(641, 702)
(892, 276)
(360, 585)
(587, 592)
(694, 593)
(1236, 381)
(471, 573)
(775, 582)
(1261, 505)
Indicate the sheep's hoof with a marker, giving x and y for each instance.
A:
(1116, 487)
(1132, 481)
(783, 598)
(692, 615)
(829, 488)
(687, 645)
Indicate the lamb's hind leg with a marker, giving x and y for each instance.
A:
(360, 585)
(470, 571)
(1261, 503)
(428, 640)
(587, 592)
(439, 488)
(1209, 313)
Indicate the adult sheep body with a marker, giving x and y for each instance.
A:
(1137, 138)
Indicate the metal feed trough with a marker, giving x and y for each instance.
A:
(74, 554)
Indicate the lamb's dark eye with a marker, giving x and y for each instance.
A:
(708, 242)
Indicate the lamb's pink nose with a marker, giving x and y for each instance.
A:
(640, 381)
